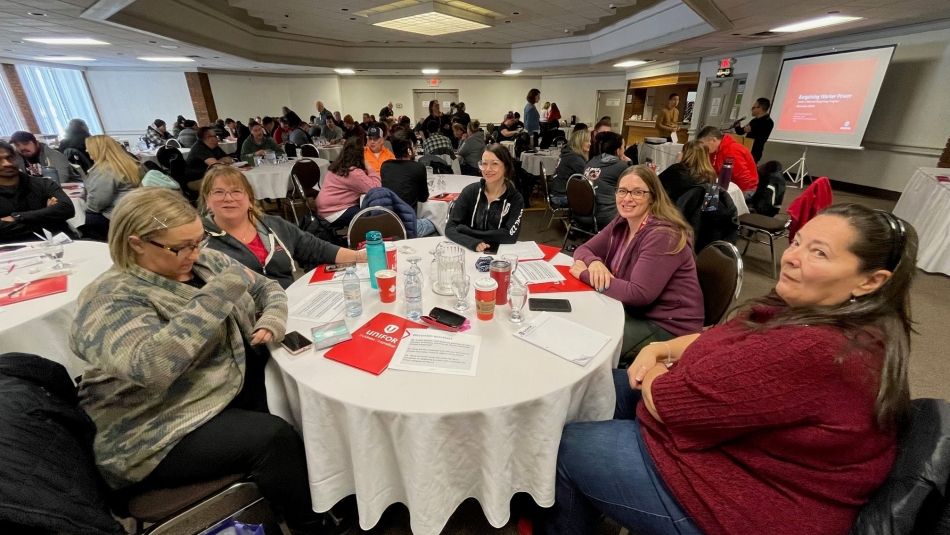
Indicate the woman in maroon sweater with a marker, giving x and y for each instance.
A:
(644, 259)
(782, 420)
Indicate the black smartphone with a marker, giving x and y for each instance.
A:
(445, 317)
(332, 268)
(492, 249)
(548, 305)
(296, 343)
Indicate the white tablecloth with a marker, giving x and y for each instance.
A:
(330, 152)
(738, 198)
(41, 326)
(925, 204)
(151, 155)
(438, 211)
(431, 441)
(273, 181)
(510, 145)
(532, 161)
(663, 155)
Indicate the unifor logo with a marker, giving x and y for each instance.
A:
(391, 329)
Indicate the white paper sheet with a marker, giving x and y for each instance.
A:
(673, 137)
(526, 250)
(362, 271)
(537, 271)
(431, 351)
(321, 306)
(569, 340)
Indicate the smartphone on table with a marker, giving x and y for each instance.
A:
(441, 318)
(296, 343)
(332, 268)
(548, 305)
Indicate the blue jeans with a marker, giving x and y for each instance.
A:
(604, 468)
(424, 227)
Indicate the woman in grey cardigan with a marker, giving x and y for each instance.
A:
(173, 336)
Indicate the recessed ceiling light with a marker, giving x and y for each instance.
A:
(630, 63)
(430, 71)
(431, 18)
(36, 13)
(170, 47)
(820, 22)
(167, 59)
(65, 41)
(344, 70)
(512, 71)
(64, 58)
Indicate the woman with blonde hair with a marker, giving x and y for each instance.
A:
(644, 259)
(269, 245)
(174, 337)
(573, 162)
(114, 174)
(693, 168)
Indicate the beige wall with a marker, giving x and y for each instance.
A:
(577, 95)
(240, 96)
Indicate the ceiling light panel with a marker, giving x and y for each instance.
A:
(431, 18)
(65, 40)
(167, 59)
(64, 58)
(820, 22)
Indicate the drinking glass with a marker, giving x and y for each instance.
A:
(441, 184)
(517, 297)
(460, 286)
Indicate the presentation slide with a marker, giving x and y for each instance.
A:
(828, 99)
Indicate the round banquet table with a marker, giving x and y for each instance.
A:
(437, 210)
(431, 441)
(330, 152)
(532, 161)
(663, 155)
(925, 204)
(41, 326)
(152, 154)
(273, 181)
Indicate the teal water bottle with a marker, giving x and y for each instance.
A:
(375, 255)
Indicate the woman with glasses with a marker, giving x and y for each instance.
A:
(644, 259)
(782, 420)
(488, 212)
(269, 245)
(174, 339)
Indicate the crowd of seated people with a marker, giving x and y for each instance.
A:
(790, 408)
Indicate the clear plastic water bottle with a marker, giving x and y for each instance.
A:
(375, 255)
(413, 290)
(352, 298)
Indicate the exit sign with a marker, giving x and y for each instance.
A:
(434, 82)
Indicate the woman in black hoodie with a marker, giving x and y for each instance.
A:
(488, 212)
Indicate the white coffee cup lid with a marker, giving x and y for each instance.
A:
(486, 283)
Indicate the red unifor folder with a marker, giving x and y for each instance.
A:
(32, 290)
(321, 275)
(569, 284)
(374, 343)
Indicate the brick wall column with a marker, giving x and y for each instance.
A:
(16, 87)
(199, 88)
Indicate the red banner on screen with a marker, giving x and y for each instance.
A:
(827, 98)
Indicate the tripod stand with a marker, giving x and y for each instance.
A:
(798, 177)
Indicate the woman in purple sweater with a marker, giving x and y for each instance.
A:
(644, 259)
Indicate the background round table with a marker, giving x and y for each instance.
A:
(431, 441)
(663, 155)
(273, 181)
(532, 161)
(437, 210)
(925, 204)
(41, 326)
(330, 152)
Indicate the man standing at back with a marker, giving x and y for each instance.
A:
(722, 147)
(759, 128)
(667, 120)
(322, 114)
(375, 153)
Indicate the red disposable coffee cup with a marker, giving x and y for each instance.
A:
(486, 289)
(391, 256)
(386, 279)
(500, 270)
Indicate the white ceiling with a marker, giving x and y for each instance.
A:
(307, 22)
